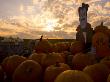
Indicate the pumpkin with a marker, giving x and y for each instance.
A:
(106, 61)
(43, 46)
(108, 79)
(4, 62)
(53, 71)
(28, 71)
(101, 28)
(12, 63)
(37, 57)
(81, 60)
(1, 74)
(62, 46)
(100, 40)
(65, 54)
(76, 47)
(103, 52)
(73, 76)
(51, 59)
(98, 72)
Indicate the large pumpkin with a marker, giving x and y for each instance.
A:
(98, 72)
(51, 59)
(53, 71)
(76, 47)
(73, 76)
(28, 71)
(81, 60)
(43, 46)
(11, 64)
(100, 41)
(37, 57)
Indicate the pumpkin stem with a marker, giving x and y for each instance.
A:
(57, 64)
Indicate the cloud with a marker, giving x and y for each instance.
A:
(38, 16)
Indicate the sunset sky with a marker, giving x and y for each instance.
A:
(52, 18)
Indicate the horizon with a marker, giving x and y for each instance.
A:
(54, 19)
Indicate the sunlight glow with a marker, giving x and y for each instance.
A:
(50, 24)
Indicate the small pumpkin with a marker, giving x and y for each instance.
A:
(81, 60)
(37, 57)
(53, 71)
(76, 47)
(43, 46)
(62, 46)
(51, 59)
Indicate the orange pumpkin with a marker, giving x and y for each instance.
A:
(76, 47)
(106, 61)
(37, 57)
(103, 52)
(73, 76)
(100, 40)
(12, 63)
(108, 79)
(53, 71)
(43, 46)
(98, 72)
(101, 28)
(62, 46)
(81, 60)
(28, 71)
(51, 59)
(4, 62)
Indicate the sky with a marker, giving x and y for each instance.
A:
(52, 18)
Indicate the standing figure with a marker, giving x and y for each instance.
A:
(83, 18)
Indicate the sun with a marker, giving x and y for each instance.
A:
(50, 24)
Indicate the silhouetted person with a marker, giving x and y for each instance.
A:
(41, 38)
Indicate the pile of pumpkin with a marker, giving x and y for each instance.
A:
(61, 62)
